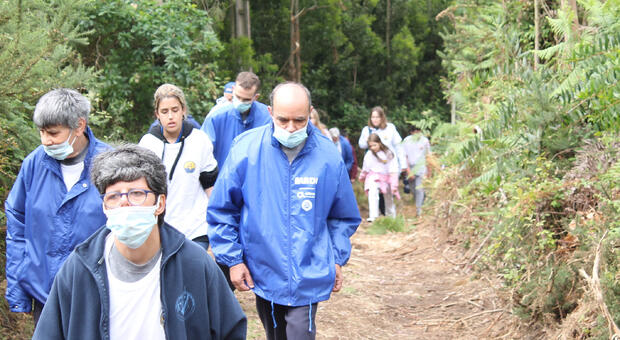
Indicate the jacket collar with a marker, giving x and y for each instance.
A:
(90, 252)
(157, 131)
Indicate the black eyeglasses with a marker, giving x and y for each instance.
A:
(112, 200)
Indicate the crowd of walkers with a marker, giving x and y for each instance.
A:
(111, 242)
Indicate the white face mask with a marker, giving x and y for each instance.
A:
(240, 105)
(290, 139)
(62, 150)
(132, 225)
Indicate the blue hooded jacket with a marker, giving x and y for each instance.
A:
(347, 153)
(290, 223)
(224, 125)
(196, 301)
(45, 223)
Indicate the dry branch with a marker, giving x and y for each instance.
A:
(595, 285)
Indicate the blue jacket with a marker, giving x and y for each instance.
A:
(289, 223)
(195, 298)
(224, 125)
(45, 223)
(347, 153)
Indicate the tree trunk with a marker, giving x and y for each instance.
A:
(292, 59)
(242, 19)
(536, 32)
(387, 36)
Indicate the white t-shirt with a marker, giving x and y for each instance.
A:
(71, 173)
(186, 202)
(135, 307)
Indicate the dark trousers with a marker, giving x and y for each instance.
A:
(381, 204)
(203, 241)
(37, 308)
(295, 323)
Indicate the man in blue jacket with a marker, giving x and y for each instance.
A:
(52, 206)
(138, 277)
(245, 113)
(281, 215)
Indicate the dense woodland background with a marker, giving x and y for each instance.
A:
(534, 194)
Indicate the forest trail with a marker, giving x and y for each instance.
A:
(407, 286)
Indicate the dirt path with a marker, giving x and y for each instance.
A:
(406, 286)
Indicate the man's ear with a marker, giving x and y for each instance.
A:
(81, 126)
(270, 111)
(256, 96)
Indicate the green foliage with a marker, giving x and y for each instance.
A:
(345, 57)
(387, 224)
(139, 46)
(36, 54)
(545, 158)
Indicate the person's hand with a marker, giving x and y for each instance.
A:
(241, 278)
(339, 279)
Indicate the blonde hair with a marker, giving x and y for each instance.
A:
(169, 91)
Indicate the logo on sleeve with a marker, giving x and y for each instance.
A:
(185, 305)
(189, 166)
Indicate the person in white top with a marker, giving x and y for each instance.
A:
(377, 123)
(416, 147)
(187, 154)
(380, 175)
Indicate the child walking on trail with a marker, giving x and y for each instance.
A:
(380, 174)
(416, 147)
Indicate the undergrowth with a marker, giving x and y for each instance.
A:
(385, 224)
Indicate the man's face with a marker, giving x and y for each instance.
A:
(290, 109)
(244, 95)
(53, 135)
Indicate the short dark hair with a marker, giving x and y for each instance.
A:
(128, 163)
(247, 80)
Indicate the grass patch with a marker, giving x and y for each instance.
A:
(386, 224)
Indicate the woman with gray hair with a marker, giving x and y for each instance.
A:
(138, 277)
(52, 206)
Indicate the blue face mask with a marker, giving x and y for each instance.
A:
(241, 106)
(290, 139)
(62, 150)
(132, 225)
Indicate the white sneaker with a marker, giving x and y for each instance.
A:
(370, 220)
